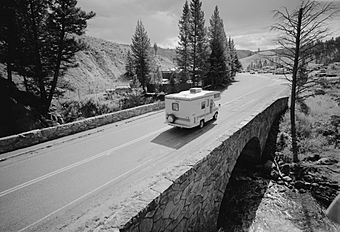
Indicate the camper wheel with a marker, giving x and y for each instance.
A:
(215, 116)
(171, 118)
(202, 123)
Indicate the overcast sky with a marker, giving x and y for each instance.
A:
(246, 21)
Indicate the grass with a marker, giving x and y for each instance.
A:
(316, 133)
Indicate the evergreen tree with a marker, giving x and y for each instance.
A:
(9, 29)
(64, 21)
(265, 63)
(35, 65)
(235, 64)
(217, 59)
(198, 42)
(155, 48)
(140, 48)
(228, 60)
(183, 49)
(45, 43)
(129, 66)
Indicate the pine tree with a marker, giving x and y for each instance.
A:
(64, 21)
(183, 49)
(155, 48)
(217, 59)
(9, 29)
(46, 44)
(129, 66)
(235, 64)
(198, 42)
(35, 64)
(265, 63)
(228, 61)
(140, 48)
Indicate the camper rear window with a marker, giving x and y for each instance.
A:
(203, 105)
(175, 106)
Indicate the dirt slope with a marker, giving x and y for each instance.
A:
(102, 63)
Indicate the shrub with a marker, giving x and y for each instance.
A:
(303, 125)
(71, 110)
(313, 144)
(75, 110)
(135, 98)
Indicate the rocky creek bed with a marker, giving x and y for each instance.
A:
(276, 198)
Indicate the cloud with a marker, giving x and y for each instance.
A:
(247, 21)
(262, 41)
(169, 43)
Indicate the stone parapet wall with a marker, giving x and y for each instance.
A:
(32, 137)
(189, 196)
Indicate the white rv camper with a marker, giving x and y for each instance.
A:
(191, 108)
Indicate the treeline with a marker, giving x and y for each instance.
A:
(328, 51)
(38, 40)
(261, 63)
(204, 56)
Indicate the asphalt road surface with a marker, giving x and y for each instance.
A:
(73, 181)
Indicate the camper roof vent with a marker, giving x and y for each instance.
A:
(195, 90)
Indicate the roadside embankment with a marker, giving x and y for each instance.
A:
(33, 137)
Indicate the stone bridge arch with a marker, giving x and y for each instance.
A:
(192, 197)
(251, 152)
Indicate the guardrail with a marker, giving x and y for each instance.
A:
(33, 137)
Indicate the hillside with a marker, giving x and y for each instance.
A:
(102, 63)
(244, 53)
(254, 58)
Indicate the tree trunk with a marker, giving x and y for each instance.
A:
(293, 93)
(9, 71)
(38, 66)
(56, 70)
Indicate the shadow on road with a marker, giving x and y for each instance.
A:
(178, 137)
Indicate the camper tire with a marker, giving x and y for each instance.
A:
(201, 123)
(215, 116)
(171, 118)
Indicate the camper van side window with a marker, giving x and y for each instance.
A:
(175, 106)
(203, 105)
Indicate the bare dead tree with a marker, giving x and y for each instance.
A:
(299, 30)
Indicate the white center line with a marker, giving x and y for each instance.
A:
(76, 164)
(84, 196)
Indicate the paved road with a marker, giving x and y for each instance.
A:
(65, 183)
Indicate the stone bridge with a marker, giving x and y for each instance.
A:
(189, 198)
